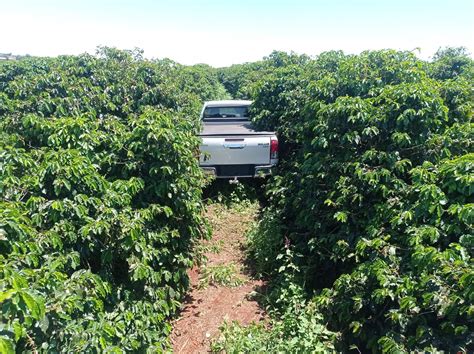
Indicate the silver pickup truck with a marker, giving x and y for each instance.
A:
(230, 147)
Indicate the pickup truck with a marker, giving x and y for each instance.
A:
(231, 147)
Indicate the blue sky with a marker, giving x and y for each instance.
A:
(222, 33)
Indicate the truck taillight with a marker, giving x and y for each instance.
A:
(273, 148)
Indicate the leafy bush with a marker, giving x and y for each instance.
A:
(101, 199)
(239, 79)
(265, 242)
(374, 194)
(450, 63)
(370, 216)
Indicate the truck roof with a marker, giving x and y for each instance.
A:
(227, 103)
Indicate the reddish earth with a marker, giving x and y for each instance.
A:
(206, 309)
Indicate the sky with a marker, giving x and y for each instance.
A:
(221, 33)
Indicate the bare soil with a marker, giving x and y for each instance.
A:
(205, 309)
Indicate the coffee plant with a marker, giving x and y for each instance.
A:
(101, 199)
(373, 196)
(367, 231)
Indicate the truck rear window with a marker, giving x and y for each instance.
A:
(226, 112)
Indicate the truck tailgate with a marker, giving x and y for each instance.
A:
(235, 150)
(230, 128)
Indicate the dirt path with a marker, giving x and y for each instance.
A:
(220, 289)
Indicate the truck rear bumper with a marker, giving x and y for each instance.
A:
(240, 171)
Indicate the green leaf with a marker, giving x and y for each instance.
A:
(7, 295)
(6, 345)
(340, 216)
(17, 330)
(34, 305)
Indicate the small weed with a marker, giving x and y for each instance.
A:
(214, 247)
(221, 274)
(246, 192)
(211, 247)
